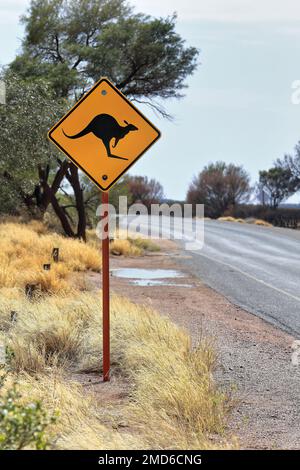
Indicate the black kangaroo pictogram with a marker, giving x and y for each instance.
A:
(105, 127)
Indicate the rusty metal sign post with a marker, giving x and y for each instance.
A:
(104, 134)
(105, 290)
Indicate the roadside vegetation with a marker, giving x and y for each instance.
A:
(26, 248)
(287, 217)
(169, 399)
(133, 246)
(260, 222)
(225, 191)
(231, 219)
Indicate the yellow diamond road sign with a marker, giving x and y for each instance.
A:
(104, 134)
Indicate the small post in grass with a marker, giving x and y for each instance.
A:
(105, 289)
(55, 254)
(30, 290)
(13, 316)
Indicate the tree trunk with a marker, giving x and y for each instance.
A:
(79, 200)
(49, 195)
(44, 194)
(62, 217)
(70, 171)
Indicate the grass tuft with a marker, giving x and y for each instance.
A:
(262, 223)
(231, 219)
(124, 247)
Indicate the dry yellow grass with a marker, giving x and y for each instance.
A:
(37, 226)
(124, 244)
(262, 223)
(78, 425)
(227, 219)
(131, 244)
(231, 219)
(173, 402)
(125, 248)
(25, 248)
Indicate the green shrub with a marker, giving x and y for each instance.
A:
(145, 244)
(22, 425)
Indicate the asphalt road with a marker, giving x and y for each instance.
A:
(257, 268)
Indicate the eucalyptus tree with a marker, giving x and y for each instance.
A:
(279, 183)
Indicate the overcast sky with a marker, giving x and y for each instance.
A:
(238, 105)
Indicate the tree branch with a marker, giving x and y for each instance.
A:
(127, 80)
(61, 173)
(60, 58)
(157, 108)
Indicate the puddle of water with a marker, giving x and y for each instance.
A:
(146, 274)
(151, 283)
(150, 277)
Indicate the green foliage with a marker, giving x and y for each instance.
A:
(58, 37)
(74, 43)
(292, 164)
(61, 78)
(147, 57)
(9, 198)
(145, 244)
(279, 183)
(22, 425)
(29, 112)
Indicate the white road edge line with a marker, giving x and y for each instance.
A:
(249, 276)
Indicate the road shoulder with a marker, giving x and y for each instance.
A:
(254, 358)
